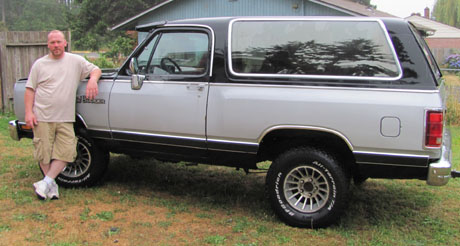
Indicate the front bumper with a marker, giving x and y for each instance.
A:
(14, 130)
(439, 172)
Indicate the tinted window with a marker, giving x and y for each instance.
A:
(349, 49)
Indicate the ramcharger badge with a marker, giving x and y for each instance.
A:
(83, 99)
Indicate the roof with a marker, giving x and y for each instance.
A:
(352, 8)
(346, 6)
(440, 30)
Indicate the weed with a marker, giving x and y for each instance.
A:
(204, 215)
(105, 216)
(215, 240)
(241, 224)
(84, 215)
(164, 224)
(19, 217)
(22, 197)
(38, 217)
(4, 228)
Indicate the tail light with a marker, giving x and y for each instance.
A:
(433, 131)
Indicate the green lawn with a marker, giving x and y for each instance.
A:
(146, 202)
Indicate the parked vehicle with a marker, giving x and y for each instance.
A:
(325, 99)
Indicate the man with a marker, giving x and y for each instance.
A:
(50, 109)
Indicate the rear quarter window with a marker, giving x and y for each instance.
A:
(338, 49)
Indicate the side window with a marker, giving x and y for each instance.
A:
(176, 53)
(312, 48)
(144, 57)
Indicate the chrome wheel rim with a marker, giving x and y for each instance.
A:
(81, 163)
(306, 189)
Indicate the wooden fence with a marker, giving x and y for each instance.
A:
(18, 51)
(440, 54)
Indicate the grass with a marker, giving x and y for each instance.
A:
(146, 202)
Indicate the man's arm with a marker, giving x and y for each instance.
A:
(91, 87)
(29, 98)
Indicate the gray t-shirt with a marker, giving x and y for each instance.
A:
(55, 82)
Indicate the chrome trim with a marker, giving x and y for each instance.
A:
(13, 128)
(213, 40)
(158, 135)
(277, 85)
(298, 127)
(343, 19)
(233, 151)
(391, 154)
(389, 164)
(232, 142)
(439, 172)
(82, 120)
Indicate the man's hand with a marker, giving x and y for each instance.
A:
(91, 87)
(31, 120)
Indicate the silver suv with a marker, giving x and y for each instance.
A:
(326, 100)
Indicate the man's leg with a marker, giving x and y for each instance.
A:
(45, 168)
(55, 167)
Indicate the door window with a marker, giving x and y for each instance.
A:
(175, 53)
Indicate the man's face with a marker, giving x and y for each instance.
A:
(56, 45)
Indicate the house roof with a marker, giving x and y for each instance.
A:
(440, 30)
(353, 8)
(345, 6)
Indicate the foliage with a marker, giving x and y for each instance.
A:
(35, 15)
(120, 48)
(90, 26)
(102, 62)
(88, 20)
(453, 103)
(447, 12)
(453, 61)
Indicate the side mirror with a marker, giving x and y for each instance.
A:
(136, 81)
(133, 65)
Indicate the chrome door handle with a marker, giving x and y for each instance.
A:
(198, 87)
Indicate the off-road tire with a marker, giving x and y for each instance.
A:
(307, 187)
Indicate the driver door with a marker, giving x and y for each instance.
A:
(167, 114)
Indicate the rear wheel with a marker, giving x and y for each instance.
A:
(307, 187)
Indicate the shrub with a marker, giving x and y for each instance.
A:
(102, 62)
(453, 61)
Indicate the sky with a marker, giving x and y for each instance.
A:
(403, 8)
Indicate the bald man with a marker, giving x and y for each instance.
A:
(50, 109)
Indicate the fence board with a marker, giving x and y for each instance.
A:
(18, 51)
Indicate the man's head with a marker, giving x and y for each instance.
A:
(56, 44)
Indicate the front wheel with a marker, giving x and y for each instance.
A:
(307, 187)
(88, 168)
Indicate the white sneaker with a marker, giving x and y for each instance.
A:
(53, 194)
(41, 189)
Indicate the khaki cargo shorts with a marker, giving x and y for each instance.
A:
(54, 140)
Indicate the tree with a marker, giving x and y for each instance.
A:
(34, 15)
(90, 25)
(447, 12)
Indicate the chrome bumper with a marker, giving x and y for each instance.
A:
(14, 130)
(439, 172)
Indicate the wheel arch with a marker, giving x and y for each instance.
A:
(277, 140)
(80, 123)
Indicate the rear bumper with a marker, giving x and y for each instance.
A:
(19, 130)
(14, 130)
(439, 172)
